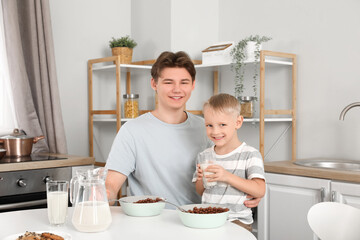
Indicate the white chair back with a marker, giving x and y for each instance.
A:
(334, 221)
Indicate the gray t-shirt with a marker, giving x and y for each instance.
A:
(159, 158)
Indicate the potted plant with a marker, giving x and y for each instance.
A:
(247, 49)
(124, 47)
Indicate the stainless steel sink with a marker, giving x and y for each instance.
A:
(347, 165)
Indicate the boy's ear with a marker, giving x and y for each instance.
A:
(239, 122)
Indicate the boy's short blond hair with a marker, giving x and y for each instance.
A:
(225, 103)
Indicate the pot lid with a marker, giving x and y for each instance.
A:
(15, 137)
(17, 134)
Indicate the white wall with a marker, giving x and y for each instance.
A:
(82, 30)
(324, 35)
(326, 38)
(151, 27)
(194, 25)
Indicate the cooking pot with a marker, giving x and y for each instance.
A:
(18, 144)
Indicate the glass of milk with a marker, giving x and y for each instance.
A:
(57, 201)
(207, 159)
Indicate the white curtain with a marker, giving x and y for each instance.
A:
(32, 71)
(7, 114)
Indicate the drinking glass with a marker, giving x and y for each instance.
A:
(57, 201)
(207, 159)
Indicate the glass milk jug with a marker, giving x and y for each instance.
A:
(88, 194)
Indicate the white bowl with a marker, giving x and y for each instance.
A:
(195, 220)
(131, 208)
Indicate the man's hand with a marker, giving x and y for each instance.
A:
(253, 202)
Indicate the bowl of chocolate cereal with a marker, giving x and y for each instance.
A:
(142, 206)
(203, 215)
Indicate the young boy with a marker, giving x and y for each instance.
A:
(239, 168)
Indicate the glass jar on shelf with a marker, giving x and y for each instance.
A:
(247, 106)
(131, 105)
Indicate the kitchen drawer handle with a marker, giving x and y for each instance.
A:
(22, 204)
(333, 196)
(322, 194)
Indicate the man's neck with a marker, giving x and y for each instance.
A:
(170, 116)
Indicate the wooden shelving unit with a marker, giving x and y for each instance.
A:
(263, 112)
(286, 59)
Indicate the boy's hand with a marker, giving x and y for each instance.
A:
(199, 173)
(219, 173)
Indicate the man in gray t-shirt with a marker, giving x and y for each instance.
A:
(157, 150)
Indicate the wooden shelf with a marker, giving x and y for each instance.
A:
(250, 120)
(271, 61)
(128, 67)
(112, 120)
(268, 120)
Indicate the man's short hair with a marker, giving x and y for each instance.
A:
(173, 60)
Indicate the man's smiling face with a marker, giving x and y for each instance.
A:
(174, 87)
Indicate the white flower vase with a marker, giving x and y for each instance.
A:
(250, 51)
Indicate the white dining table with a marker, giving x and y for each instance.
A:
(167, 226)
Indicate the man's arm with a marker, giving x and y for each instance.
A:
(113, 183)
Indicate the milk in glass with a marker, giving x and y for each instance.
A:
(57, 201)
(203, 166)
(57, 207)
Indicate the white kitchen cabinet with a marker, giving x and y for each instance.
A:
(282, 213)
(348, 193)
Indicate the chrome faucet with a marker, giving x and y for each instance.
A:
(347, 108)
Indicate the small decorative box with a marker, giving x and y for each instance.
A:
(218, 53)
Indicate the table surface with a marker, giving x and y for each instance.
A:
(167, 225)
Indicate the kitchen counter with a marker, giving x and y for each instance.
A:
(70, 160)
(288, 167)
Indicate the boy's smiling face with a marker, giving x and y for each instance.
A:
(221, 128)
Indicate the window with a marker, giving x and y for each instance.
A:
(7, 114)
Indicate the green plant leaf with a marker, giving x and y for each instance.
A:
(238, 55)
(122, 42)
